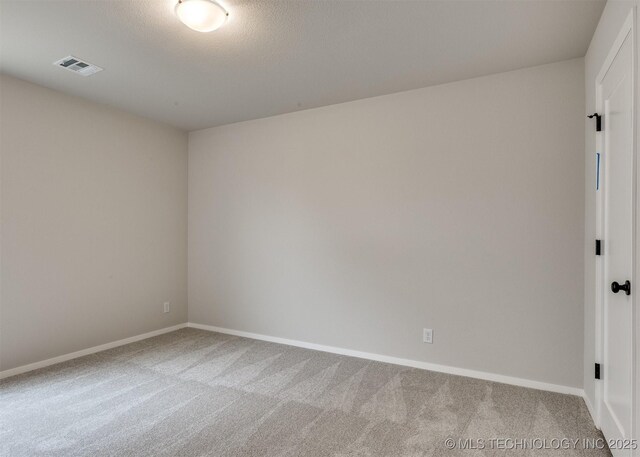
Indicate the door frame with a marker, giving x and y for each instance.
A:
(628, 27)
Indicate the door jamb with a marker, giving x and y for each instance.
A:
(629, 26)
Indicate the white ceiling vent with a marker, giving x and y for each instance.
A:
(77, 66)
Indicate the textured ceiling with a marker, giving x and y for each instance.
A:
(280, 56)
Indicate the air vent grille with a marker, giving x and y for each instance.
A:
(77, 66)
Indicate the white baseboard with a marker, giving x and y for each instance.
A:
(591, 410)
(317, 347)
(83, 352)
(399, 361)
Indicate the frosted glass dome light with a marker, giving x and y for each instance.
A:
(201, 15)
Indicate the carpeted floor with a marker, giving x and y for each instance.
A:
(197, 393)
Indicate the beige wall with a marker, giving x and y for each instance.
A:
(93, 205)
(613, 17)
(457, 207)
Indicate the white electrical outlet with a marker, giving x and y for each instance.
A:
(167, 306)
(427, 335)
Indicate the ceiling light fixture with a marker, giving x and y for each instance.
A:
(201, 15)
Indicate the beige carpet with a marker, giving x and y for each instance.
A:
(197, 393)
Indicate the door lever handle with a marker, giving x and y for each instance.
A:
(615, 287)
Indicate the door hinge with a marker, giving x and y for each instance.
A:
(597, 373)
(598, 121)
(598, 247)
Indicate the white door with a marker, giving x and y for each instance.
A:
(616, 104)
